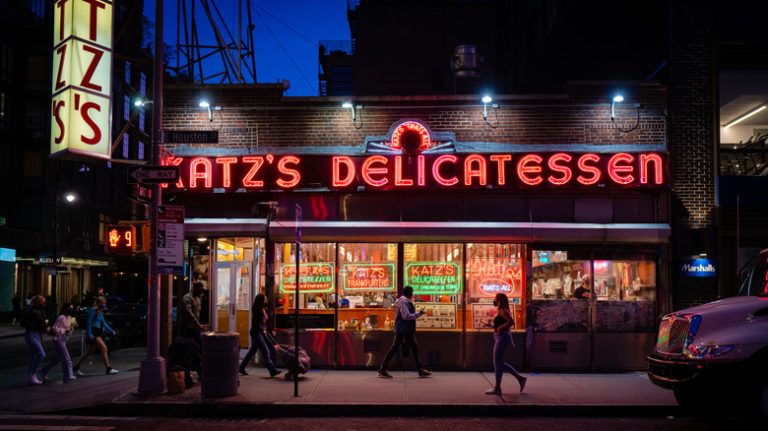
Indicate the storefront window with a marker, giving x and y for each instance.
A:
(367, 286)
(625, 280)
(554, 276)
(434, 272)
(317, 284)
(492, 269)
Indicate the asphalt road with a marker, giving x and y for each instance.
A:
(15, 353)
(75, 423)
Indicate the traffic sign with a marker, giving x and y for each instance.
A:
(153, 174)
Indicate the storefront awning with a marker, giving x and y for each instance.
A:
(374, 231)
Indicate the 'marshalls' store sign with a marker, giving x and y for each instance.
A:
(410, 159)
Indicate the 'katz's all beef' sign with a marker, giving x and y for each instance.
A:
(81, 85)
(270, 172)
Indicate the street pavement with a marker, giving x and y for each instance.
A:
(326, 393)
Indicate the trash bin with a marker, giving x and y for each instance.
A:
(221, 354)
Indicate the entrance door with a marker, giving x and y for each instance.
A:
(234, 284)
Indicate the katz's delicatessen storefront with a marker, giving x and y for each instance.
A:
(576, 235)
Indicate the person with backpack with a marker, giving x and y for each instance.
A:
(96, 327)
(405, 331)
(60, 332)
(35, 325)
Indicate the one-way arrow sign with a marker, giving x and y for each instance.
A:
(153, 174)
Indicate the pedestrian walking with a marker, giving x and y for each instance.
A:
(502, 337)
(16, 313)
(260, 336)
(190, 312)
(60, 332)
(35, 324)
(95, 329)
(405, 331)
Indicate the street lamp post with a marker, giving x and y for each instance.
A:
(69, 197)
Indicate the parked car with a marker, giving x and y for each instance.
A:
(715, 356)
(129, 321)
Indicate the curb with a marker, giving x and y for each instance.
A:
(21, 334)
(370, 410)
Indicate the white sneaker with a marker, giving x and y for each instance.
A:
(79, 373)
(112, 372)
(493, 391)
(33, 380)
(69, 379)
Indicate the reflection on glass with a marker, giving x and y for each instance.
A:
(630, 280)
(222, 298)
(317, 276)
(367, 286)
(492, 269)
(434, 272)
(234, 249)
(555, 277)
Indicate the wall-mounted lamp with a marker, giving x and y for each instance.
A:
(204, 103)
(618, 98)
(353, 109)
(140, 103)
(745, 116)
(487, 101)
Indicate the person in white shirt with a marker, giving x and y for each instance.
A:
(60, 332)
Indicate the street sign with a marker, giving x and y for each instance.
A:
(170, 239)
(153, 174)
(191, 137)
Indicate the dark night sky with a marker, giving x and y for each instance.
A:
(311, 19)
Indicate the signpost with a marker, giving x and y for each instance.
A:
(191, 136)
(296, 301)
(153, 174)
(170, 239)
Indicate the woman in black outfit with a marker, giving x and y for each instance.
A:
(503, 339)
(259, 336)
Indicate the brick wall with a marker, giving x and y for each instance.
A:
(692, 107)
(259, 117)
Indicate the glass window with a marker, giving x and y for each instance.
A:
(141, 150)
(126, 146)
(141, 120)
(317, 284)
(434, 272)
(554, 276)
(126, 108)
(492, 269)
(367, 286)
(143, 83)
(128, 72)
(625, 280)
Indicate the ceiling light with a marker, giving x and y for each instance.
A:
(745, 116)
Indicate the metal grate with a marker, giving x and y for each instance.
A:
(672, 335)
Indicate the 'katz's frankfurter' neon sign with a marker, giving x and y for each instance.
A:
(270, 172)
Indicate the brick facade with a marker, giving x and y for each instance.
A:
(257, 117)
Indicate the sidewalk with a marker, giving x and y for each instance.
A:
(8, 331)
(347, 393)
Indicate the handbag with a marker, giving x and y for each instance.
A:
(176, 384)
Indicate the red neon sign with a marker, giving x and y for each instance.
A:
(411, 126)
(424, 171)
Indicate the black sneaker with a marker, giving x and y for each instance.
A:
(424, 372)
(383, 374)
(274, 373)
(243, 372)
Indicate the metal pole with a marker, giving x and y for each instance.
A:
(55, 236)
(296, 326)
(152, 377)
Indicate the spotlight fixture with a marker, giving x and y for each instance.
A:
(619, 98)
(205, 104)
(487, 99)
(140, 103)
(202, 239)
(353, 109)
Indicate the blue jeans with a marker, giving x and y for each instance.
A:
(36, 351)
(259, 342)
(62, 356)
(502, 342)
